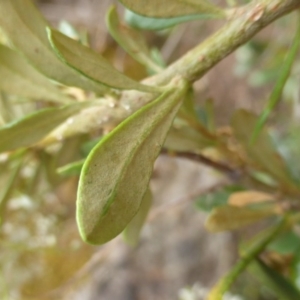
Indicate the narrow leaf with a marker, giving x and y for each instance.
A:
(185, 138)
(286, 244)
(132, 41)
(171, 8)
(71, 169)
(263, 152)
(91, 64)
(116, 174)
(148, 23)
(26, 29)
(9, 187)
(18, 77)
(248, 256)
(280, 84)
(230, 217)
(277, 283)
(245, 198)
(30, 129)
(131, 233)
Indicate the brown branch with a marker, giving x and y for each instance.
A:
(234, 174)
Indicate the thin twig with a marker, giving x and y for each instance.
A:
(198, 157)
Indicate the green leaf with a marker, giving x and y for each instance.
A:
(147, 23)
(132, 41)
(231, 217)
(210, 201)
(280, 84)
(287, 243)
(9, 187)
(20, 78)
(249, 255)
(32, 128)
(171, 8)
(263, 152)
(132, 231)
(278, 284)
(25, 27)
(185, 138)
(91, 64)
(116, 174)
(71, 169)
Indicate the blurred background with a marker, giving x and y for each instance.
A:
(42, 256)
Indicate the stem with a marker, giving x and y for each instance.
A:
(245, 22)
(198, 157)
(224, 284)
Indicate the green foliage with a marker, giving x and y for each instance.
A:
(54, 128)
(132, 41)
(117, 161)
(170, 8)
(91, 64)
(32, 128)
(31, 40)
(131, 233)
(147, 23)
(18, 77)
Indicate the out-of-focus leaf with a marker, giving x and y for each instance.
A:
(91, 64)
(245, 198)
(148, 23)
(208, 202)
(172, 8)
(72, 169)
(9, 187)
(231, 217)
(20, 78)
(287, 243)
(219, 198)
(30, 129)
(26, 29)
(248, 256)
(263, 152)
(277, 283)
(89, 145)
(188, 108)
(132, 231)
(280, 84)
(210, 115)
(132, 41)
(184, 138)
(189, 114)
(116, 174)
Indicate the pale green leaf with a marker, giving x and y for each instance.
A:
(91, 64)
(116, 174)
(32, 128)
(25, 27)
(171, 8)
(263, 152)
(132, 41)
(148, 23)
(185, 138)
(131, 233)
(9, 187)
(71, 169)
(231, 217)
(18, 77)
